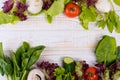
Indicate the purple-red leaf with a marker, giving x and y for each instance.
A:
(7, 6)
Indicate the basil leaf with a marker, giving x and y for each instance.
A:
(101, 23)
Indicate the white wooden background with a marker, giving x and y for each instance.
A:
(64, 37)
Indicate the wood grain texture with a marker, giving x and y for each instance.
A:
(64, 37)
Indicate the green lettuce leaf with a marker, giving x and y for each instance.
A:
(56, 8)
(87, 15)
(117, 2)
(6, 18)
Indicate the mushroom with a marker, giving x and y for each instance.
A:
(35, 74)
(34, 6)
(103, 6)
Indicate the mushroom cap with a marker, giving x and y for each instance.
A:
(103, 5)
(35, 73)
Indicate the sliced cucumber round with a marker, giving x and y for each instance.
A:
(69, 64)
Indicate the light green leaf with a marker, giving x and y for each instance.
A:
(117, 2)
(6, 18)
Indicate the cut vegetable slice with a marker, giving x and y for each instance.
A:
(69, 64)
(36, 74)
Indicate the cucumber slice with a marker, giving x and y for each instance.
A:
(69, 64)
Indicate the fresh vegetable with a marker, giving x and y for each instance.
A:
(117, 2)
(103, 8)
(91, 73)
(78, 70)
(112, 20)
(47, 4)
(69, 64)
(35, 74)
(13, 11)
(6, 18)
(118, 53)
(60, 74)
(106, 75)
(48, 69)
(105, 50)
(116, 76)
(18, 65)
(56, 8)
(72, 10)
(88, 14)
(34, 6)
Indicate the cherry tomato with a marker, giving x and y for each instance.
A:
(91, 74)
(72, 10)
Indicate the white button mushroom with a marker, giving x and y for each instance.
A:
(34, 6)
(103, 5)
(36, 74)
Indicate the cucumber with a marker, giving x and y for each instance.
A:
(69, 64)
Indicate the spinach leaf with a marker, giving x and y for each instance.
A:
(118, 53)
(15, 61)
(105, 50)
(9, 66)
(21, 50)
(35, 56)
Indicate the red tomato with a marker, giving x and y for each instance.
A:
(91, 74)
(72, 10)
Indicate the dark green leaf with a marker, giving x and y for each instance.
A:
(105, 50)
(35, 56)
(15, 61)
(20, 51)
(118, 53)
(24, 63)
(30, 51)
(1, 71)
(9, 66)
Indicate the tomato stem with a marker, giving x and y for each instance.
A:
(90, 74)
(72, 9)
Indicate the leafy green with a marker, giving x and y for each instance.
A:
(118, 53)
(61, 74)
(116, 75)
(22, 49)
(67, 1)
(6, 18)
(56, 8)
(78, 69)
(105, 50)
(111, 20)
(117, 2)
(35, 56)
(106, 75)
(1, 51)
(18, 65)
(87, 15)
